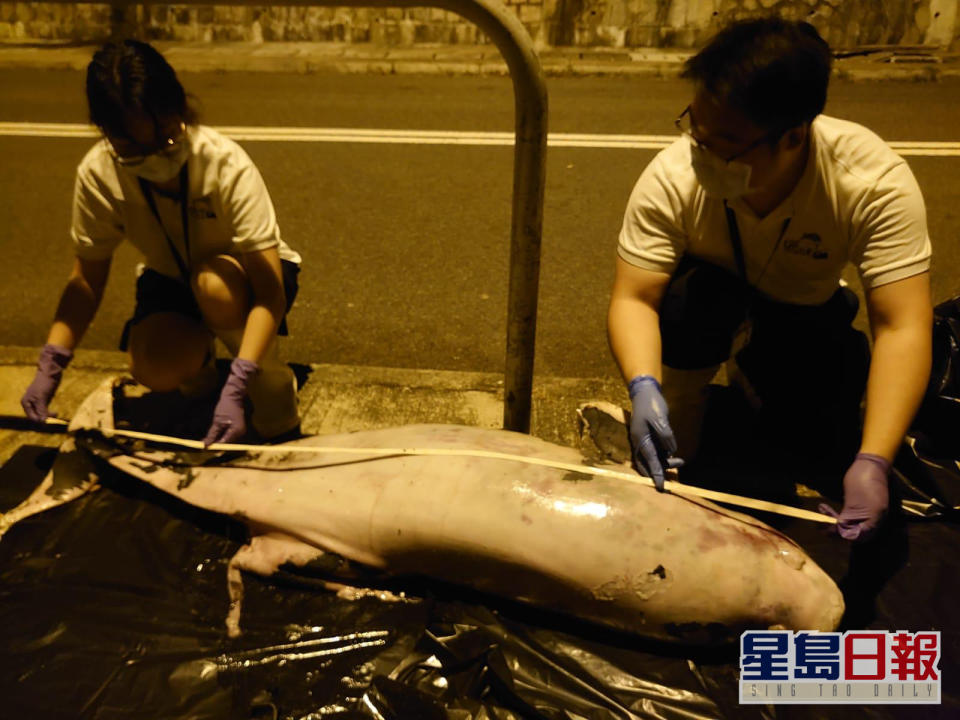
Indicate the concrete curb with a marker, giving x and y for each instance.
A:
(303, 58)
(333, 398)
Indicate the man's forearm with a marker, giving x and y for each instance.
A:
(633, 329)
(899, 373)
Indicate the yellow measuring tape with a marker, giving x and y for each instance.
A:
(673, 487)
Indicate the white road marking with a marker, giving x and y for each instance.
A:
(435, 137)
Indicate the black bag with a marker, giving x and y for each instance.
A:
(927, 465)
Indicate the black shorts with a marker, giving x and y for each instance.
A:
(807, 364)
(704, 306)
(157, 293)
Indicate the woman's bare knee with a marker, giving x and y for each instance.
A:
(222, 291)
(154, 376)
(166, 349)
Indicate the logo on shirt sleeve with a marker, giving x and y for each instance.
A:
(808, 245)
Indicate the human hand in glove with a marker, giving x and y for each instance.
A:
(651, 436)
(865, 498)
(52, 362)
(229, 422)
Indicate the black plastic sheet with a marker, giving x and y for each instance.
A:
(113, 606)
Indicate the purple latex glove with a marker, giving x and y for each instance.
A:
(650, 433)
(865, 497)
(229, 423)
(52, 362)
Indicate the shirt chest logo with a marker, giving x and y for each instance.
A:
(202, 208)
(808, 245)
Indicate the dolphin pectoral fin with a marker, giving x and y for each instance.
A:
(263, 555)
(235, 590)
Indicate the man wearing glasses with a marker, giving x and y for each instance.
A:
(746, 222)
(195, 206)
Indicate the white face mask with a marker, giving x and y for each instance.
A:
(161, 166)
(719, 178)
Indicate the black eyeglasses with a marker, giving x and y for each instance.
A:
(166, 147)
(685, 123)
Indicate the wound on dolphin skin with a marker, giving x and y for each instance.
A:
(186, 480)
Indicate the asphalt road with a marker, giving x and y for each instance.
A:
(405, 246)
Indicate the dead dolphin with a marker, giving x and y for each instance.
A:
(601, 549)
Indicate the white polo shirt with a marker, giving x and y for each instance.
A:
(857, 202)
(229, 209)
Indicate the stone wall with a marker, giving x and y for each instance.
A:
(48, 21)
(688, 23)
(585, 23)
(388, 26)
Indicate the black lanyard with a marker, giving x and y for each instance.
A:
(184, 265)
(738, 245)
(736, 242)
